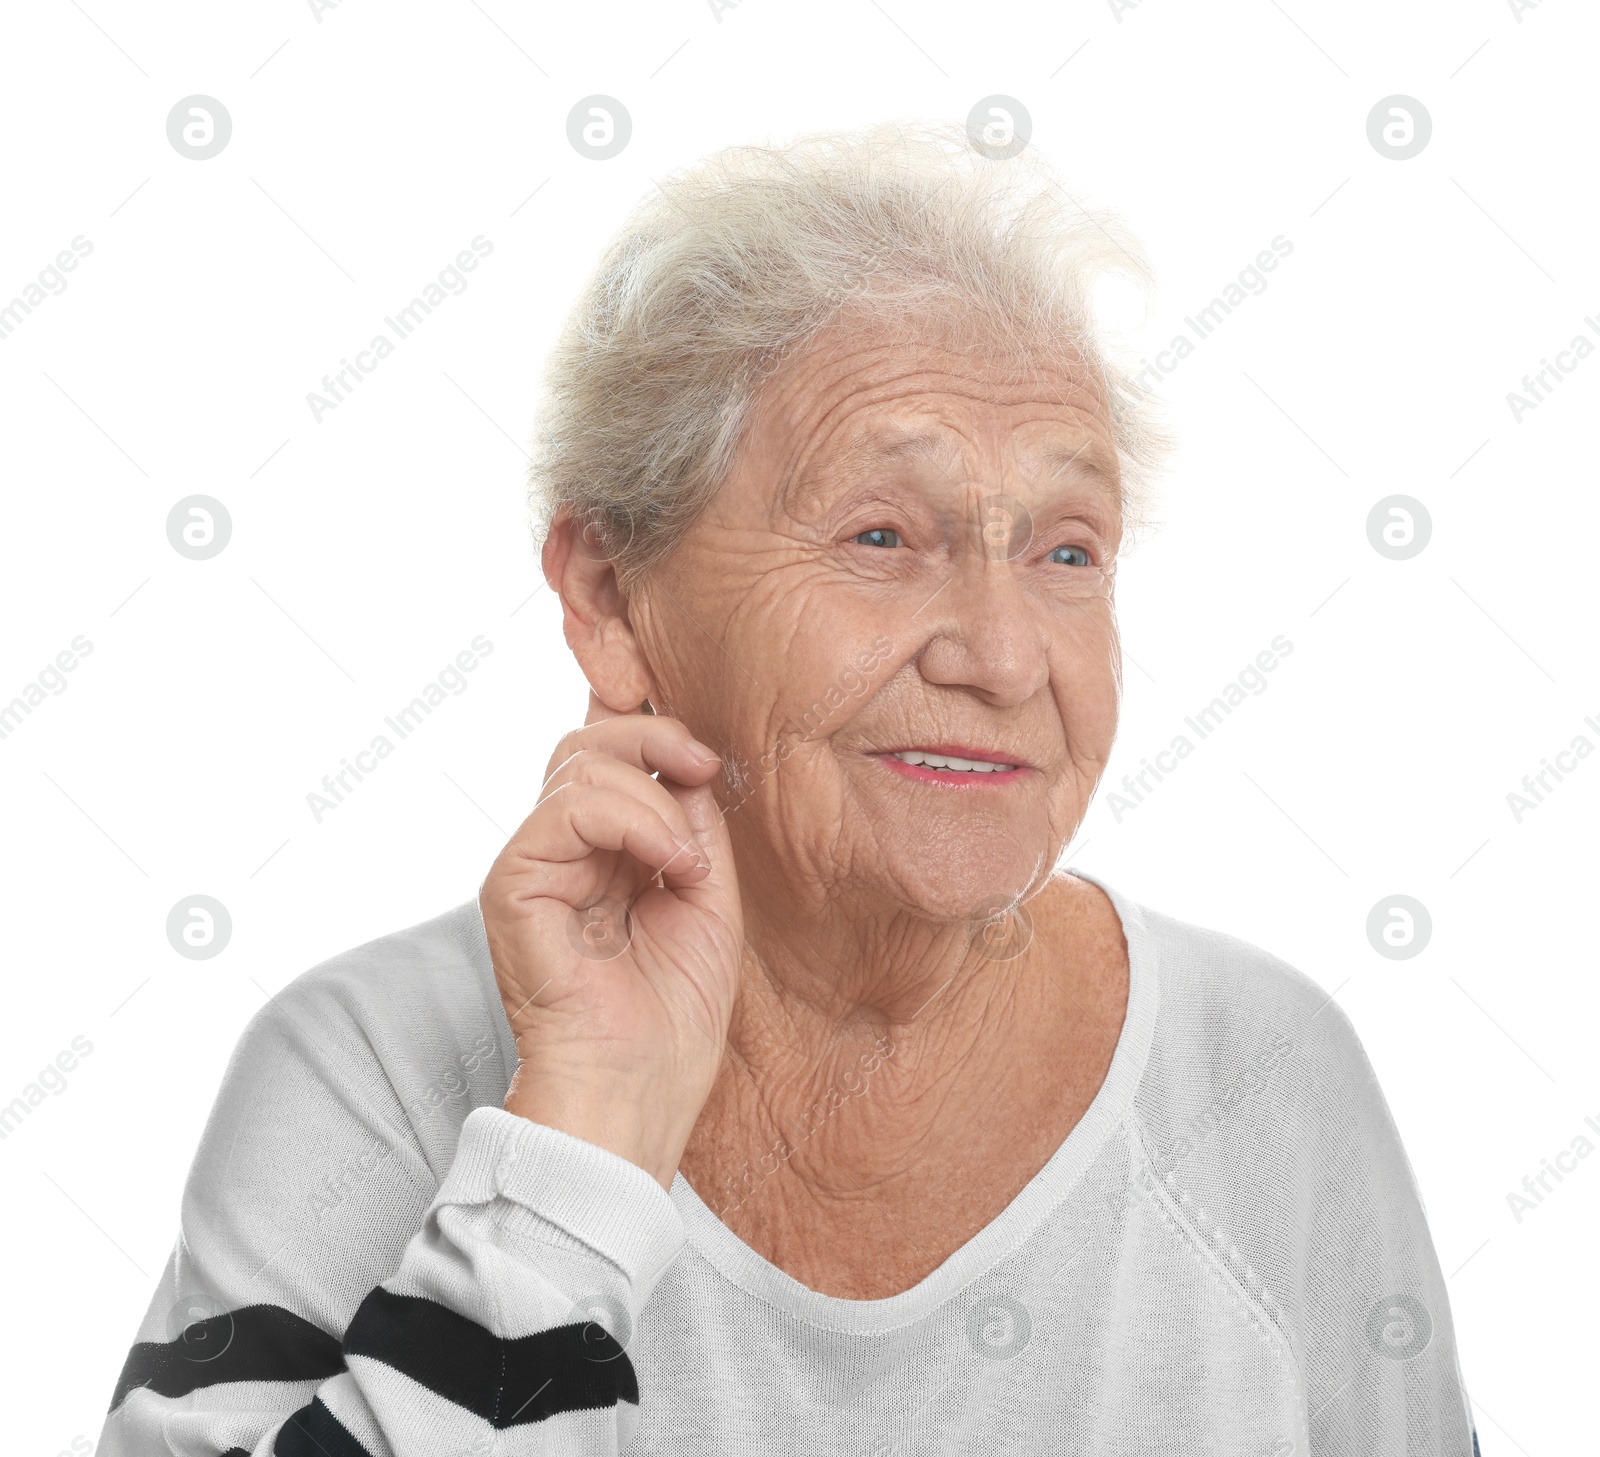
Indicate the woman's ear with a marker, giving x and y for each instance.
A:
(594, 614)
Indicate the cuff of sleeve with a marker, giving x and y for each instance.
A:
(591, 1194)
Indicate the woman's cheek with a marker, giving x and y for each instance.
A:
(1086, 675)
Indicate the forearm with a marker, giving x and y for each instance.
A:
(512, 1304)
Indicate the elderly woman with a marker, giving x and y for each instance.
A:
(778, 1093)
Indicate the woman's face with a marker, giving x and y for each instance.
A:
(914, 551)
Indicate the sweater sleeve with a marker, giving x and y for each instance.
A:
(1383, 1369)
(328, 1296)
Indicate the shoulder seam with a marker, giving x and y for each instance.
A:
(375, 1088)
(1258, 1304)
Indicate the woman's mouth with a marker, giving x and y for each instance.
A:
(960, 767)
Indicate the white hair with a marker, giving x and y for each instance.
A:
(736, 263)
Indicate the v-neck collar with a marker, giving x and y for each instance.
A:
(740, 1264)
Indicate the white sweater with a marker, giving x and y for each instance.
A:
(1227, 1255)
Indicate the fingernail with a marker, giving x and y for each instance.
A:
(703, 753)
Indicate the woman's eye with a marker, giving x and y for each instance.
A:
(878, 536)
(1075, 556)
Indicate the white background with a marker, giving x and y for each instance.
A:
(370, 145)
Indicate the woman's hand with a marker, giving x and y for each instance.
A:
(615, 928)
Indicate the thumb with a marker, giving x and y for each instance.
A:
(710, 827)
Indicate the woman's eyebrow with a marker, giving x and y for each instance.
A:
(1054, 460)
(939, 446)
(1058, 458)
(881, 447)
(871, 450)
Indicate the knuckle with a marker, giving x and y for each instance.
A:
(580, 764)
(565, 745)
(549, 793)
(566, 751)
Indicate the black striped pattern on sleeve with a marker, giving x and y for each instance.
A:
(506, 1382)
(254, 1343)
(314, 1431)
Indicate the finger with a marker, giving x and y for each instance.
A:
(603, 876)
(578, 820)
(651, 742)
(708, 825)
(590, 769)
(628, 878)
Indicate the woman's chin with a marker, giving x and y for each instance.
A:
(972, 889)
(955, 863)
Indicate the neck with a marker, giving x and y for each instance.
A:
(860, 1042)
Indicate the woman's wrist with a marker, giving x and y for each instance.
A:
(635, 1124)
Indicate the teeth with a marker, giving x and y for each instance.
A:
(947, 761)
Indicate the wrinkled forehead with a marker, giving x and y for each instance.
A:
(937, 404)
(917, 438)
